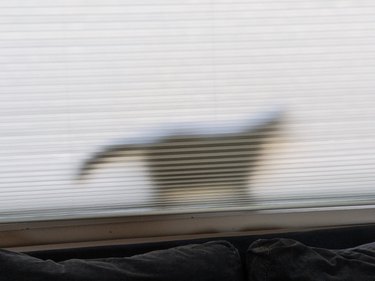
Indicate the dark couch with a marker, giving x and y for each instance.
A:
(330, 254)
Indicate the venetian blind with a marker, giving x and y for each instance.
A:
(139, 107)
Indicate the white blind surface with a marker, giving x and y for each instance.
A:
(76, 75)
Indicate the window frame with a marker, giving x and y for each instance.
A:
(38, 235)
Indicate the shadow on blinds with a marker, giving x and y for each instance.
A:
(196, 163)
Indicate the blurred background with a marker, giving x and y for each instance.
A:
(76, 75)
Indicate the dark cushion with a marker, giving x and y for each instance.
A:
(289, 260)
(217, 260)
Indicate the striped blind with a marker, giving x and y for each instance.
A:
(114, 107)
